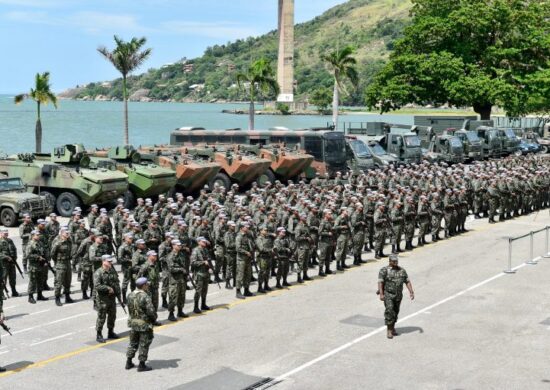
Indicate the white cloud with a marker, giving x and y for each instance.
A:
(225, 30)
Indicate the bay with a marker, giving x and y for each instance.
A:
(100, 124)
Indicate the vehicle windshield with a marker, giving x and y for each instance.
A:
(510, 133)
(378, 150)
(335, 149)
(11, 184)
(472, 137)
(412, 141)
(455, 143)
(360, 149)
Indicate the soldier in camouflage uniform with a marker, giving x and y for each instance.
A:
(229, 240)
(107, 288)
(124, 258)
(343, 230)
(304, 244)
(86, 267)
(282, 250)
(97, 250)
(80, 235)
(201, 272)
(380, 228)
(245, 248)
(138, 258)
(494, 199)
(264, 246)
(435, 216)
(61, 255)
(141, 317)
(36, 263)
(219, 247)
(358, 225)
(326, 239)
(390, 287)
(150, 270)
(396, 220)
(165, 248)
(177, 276)
(409, 213)
(8, 259)
(25, 230)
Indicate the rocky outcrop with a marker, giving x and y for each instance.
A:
(140, 95)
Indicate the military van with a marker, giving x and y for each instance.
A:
(15, 201)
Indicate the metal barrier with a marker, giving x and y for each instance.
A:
(532, 260)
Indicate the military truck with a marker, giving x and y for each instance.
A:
(192, 172)
(360, 158)
(470, 142)
(491, 142)
(65, 178)
(380, 157)
(509, 141)
(15, 201)
(544, 140)
(445, 148)
(145, 178)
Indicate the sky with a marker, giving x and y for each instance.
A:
(62, 36)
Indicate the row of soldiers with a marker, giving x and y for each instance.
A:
(183, 242)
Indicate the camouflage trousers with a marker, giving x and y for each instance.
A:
(24, 246)
(325, 253)
(87, 278)
(424, 227)
(244, 272)
(435, 224)
(449, 222)
(264, 266)
(380, 239)
(63, 278)
(9, 274)
(283, 266)
(303, 254)
(106, 311)
(342, 247)
(176, 292)
(392, 304)
(219, 266)
(140, 341)
(231, 265)
(493, 206)
(35, 279)
(153, 293)
(358, 241)
(409, 230)
(201, 281)
(127, 279)
(397, 234)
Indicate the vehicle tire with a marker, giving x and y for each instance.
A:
(544, 149)
(66, 203)
(8, 217)
(222, 180)
(49, 196)
(129, 200)
(267, 176)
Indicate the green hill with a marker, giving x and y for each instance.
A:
(369, 25)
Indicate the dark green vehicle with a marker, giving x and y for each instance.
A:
(470, 142)
(360, 158)
(15, 201)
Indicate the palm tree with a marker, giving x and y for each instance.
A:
(126, 57)
(41, 94)
(261, 78)
(341, 64)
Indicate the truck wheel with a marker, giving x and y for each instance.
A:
(267, 176)
(8, 217)
(66, 203)
(544, 149)
(222, 180)
(129, 200)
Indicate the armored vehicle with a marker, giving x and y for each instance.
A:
(360, 158)
(192, 172)
(470, 142)
(16, 201)
(64, 177)
(145, 178)
(445, 148)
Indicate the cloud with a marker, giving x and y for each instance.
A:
(225, 30)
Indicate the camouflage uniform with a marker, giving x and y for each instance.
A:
(83, 253)
(177, 276)
(8, 258)
(358, 224)
(61, 256)
(393, 280)
(124, 258)
(36, 263)
(264, 246)
(304, 243)
(25, 230)
(282, 250)
(380, 228)
(201, 275)
(244, 248)
(343, 230)
(141, 317)
(230, 256)
(325, 246)
(150, 271)
(95, 252)
(105, 302)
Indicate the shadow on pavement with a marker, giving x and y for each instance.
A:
(409, 329)
(18, 365)
(164, 364)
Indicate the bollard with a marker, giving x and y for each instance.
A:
(531, 261)
(546, 252)
(509, 270)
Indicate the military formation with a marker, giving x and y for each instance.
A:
(263, 235)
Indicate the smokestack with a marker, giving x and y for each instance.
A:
(285, 67)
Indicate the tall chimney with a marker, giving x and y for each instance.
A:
(285, 67)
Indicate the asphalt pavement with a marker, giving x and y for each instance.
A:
(471, 326)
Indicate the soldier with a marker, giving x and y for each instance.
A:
(409, 213)
(8, 257)
(219, 247)
(343, 231)
(77, 239)
(125, 254)
(138, 258)
(97, 250)
(326, 238)
(229, 240)
(390, 287)
(61, 255)
(177, 276)
(494, 199)
(304, 244)
(153, 238)
(396, 220)
(435, 216)
(141, 318)
(52, 229)
(93, 215)
(25, 230)
(264, 245)
(2, 318)
(165, 248)
(358, 224)
(313, 223)
(200, 265)
(150, 270)
(36, 261)
(244, 248)
(282, 250)
(380, 228)
(86, 267)
(107, 288)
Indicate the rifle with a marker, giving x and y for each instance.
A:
(211, 266)
(192, 281)
(5, 327)
(121, 304)
(50, 267)
(6, 290)
(18, 269)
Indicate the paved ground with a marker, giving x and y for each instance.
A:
(470, 327)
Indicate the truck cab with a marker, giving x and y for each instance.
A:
(491, 141)
(403, 144)
(446, 148)
(470, 143)
(359, 156)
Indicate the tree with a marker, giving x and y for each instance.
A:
(475, 53)
(321, 98)
(41, 94)
(341, 64)
(126, 57)
(259, 78)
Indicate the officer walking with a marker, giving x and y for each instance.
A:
(390, 287)
(107, 288)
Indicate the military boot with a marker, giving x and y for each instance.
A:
(266, 287)
(196, 309)
(382, 254)
(394, 248)
(239, 295)
(393, 331)
(247, 293)
(46, 287)
(299, 279)
(31, 298)
(171, 316)
(14, 292)
(143, 367)
(398, 248)
(112, 335)
(285, 283)
(164, 301)
(278, 285)
(99, 338)
(306, 277)
(377, 255)
(343, 264)
(339, 266)
(204, 306)
(228, 285)
(181, 314)
(260, 289)
(389, 333)
(321, 272)
(85, 295)
(25, 269)
(68, 298)
(41, 297)
(129, 364)
(328, 271)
